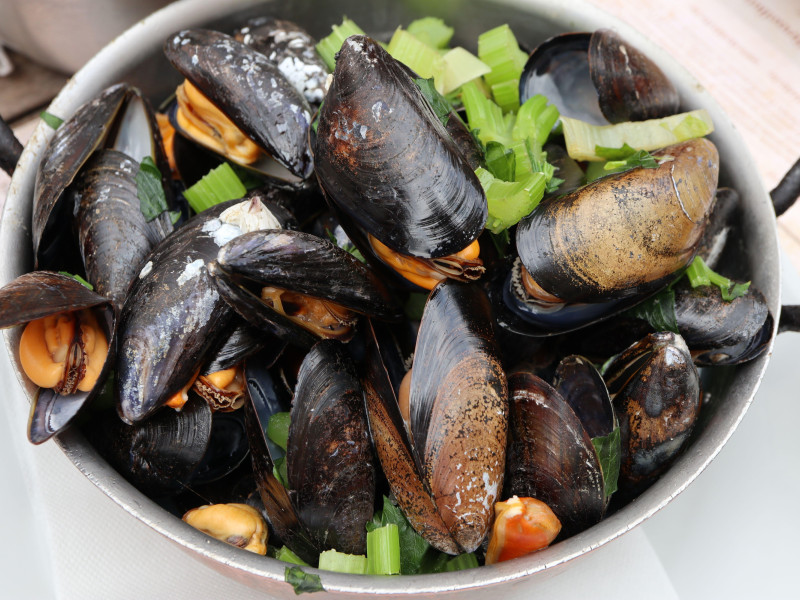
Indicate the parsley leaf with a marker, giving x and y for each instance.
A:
(659, 311)
(609, 451)
(438, 102)
(152, 200)
(78, 278)
(301, 581)
(52, 120)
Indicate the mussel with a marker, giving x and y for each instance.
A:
(66, 347)
(384, 158)
(446, 465)
(598, 77)
(236, 102)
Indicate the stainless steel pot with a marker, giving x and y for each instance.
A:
(135, 57)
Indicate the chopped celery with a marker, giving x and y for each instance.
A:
(461, 562)
(383, 550)
(700, 274)
(331, 44)
(278, 428)
(510, 201)
(217, 186)
(506, 94)
(486, 117)
(331, 560)
(498, 48)
(535, 120)
(431, 31)
(286, 555)
(418, 56)
(461, 66)
(501, 161)
(583, 138)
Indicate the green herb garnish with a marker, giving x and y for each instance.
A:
(438, 102)
(301, 581)
(658, 310)
(609, 451)
(149, 189)
(619, 159)
(279, 471)
(78, 278)
(415, 305)
(278, 428)
(53, 121)
(348, 246)
(700, 274)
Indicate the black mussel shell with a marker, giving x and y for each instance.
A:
(113, 233)
(655, 389)
(386, 160)
(266, 399)
(550, 455)
(719, 332)
(293, 51)
(458, 406)
(305, 263)
(599, 78)
(227, 448)
(249, 90)
(243, 342)
(159, 455)
(652, 222)
(581, 385)
(40, 294)
(329, 459)
(118, 118)
(173, 316)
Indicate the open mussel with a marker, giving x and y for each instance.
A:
(653, 220)
(446, 465)
(293, 51)
(303, 278)
(66, 347)
(236, 102)
(384, 158)
(120, 119)
(599, 78)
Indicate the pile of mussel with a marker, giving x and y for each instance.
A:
(200, 328)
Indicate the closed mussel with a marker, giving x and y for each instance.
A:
(652, 222)
(236, 102)
(655, 389)
(384, 158)
(65, 348)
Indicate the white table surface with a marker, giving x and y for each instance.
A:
(732, 534)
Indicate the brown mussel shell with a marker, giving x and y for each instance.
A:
(384, 158)
(249, 90)
(113, 234)
(652, 221)
(173, 316)
(39, 294)
(550, 455)
(582, 387)
(112, 119)
(293, 51)
(329, 459)
(655, 389)
(458, 409)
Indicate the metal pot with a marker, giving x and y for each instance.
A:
(136, 57)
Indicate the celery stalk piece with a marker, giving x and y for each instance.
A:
(287, 555)
(383, 550)
(498, 48)
(506, 94)
(485, 116)
(418, 56)
(431, 31)
(535, 120)
(331, 44)
(510, 201)
(582, 138)
(331, 560)
(217, 186)
(461, 66)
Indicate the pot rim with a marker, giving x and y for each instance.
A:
(124, 52)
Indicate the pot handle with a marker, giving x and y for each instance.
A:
(10, 148)
(787, 191)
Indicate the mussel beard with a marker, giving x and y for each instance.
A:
(205, 123)
(464, 265)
